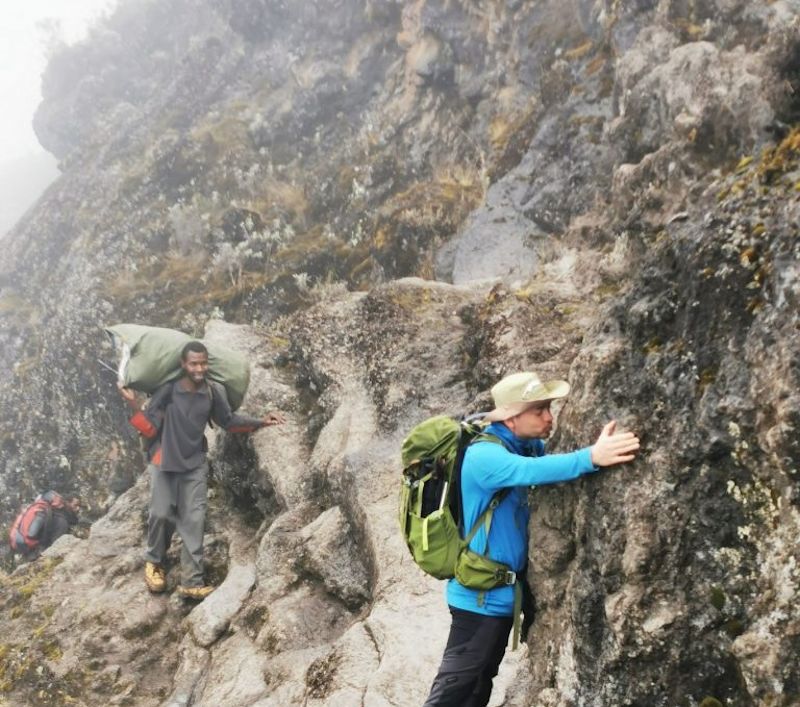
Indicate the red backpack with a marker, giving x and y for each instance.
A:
(19, 537)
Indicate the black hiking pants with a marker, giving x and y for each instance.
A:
(475, 647)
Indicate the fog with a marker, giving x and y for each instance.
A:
(29, 32)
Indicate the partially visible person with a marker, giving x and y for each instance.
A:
(41, 523)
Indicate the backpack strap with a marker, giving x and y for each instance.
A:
(210, 389)
(485, 518)
(456, 506)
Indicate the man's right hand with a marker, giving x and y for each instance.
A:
(273, 418)
(614, 447)
(128, 395)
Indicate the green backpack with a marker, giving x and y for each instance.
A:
(430, 504)
(430, 509)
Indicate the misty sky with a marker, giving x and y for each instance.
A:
(23, 47)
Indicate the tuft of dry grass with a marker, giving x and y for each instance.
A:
(173, 272)
(580, 51)
(289, 199)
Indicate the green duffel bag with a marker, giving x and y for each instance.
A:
(151, 356)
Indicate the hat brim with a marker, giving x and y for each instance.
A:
(505, 412)
(549, 390)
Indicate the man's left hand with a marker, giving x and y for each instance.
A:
(273, 418)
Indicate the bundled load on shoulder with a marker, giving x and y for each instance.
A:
(151, 356)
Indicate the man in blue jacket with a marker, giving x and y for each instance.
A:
(482, 619)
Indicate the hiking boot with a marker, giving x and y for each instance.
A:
(195, 592)
(154, 577)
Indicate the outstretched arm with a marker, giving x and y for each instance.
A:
(233, 422)
(499, 468)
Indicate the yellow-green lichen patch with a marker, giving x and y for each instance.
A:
(707, 377)
(226, 135)
(607, 290)
(21, 587)
(172, 273)
(691, 31)
(411, 299)
(653, 346)
(780, 159)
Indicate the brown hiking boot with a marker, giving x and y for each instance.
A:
(154, 577)
(195, 592)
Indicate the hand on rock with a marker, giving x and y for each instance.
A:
(614, 447)
(273, 418)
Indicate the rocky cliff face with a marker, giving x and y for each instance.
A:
(388, 206)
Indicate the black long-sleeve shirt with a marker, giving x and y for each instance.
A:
(175, 420)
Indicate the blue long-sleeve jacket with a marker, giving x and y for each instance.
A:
(487, 468)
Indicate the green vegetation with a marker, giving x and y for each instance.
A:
(759, 175)
(717, 598)
(778, 160)
(20, 587)
(25, 671)
(734, 628)
(24, 665)
(412, 299)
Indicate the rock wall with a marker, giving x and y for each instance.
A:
(679, 570)
(387, 217)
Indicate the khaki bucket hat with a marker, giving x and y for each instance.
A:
(517, 392)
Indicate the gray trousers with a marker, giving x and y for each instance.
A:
(178, 502)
